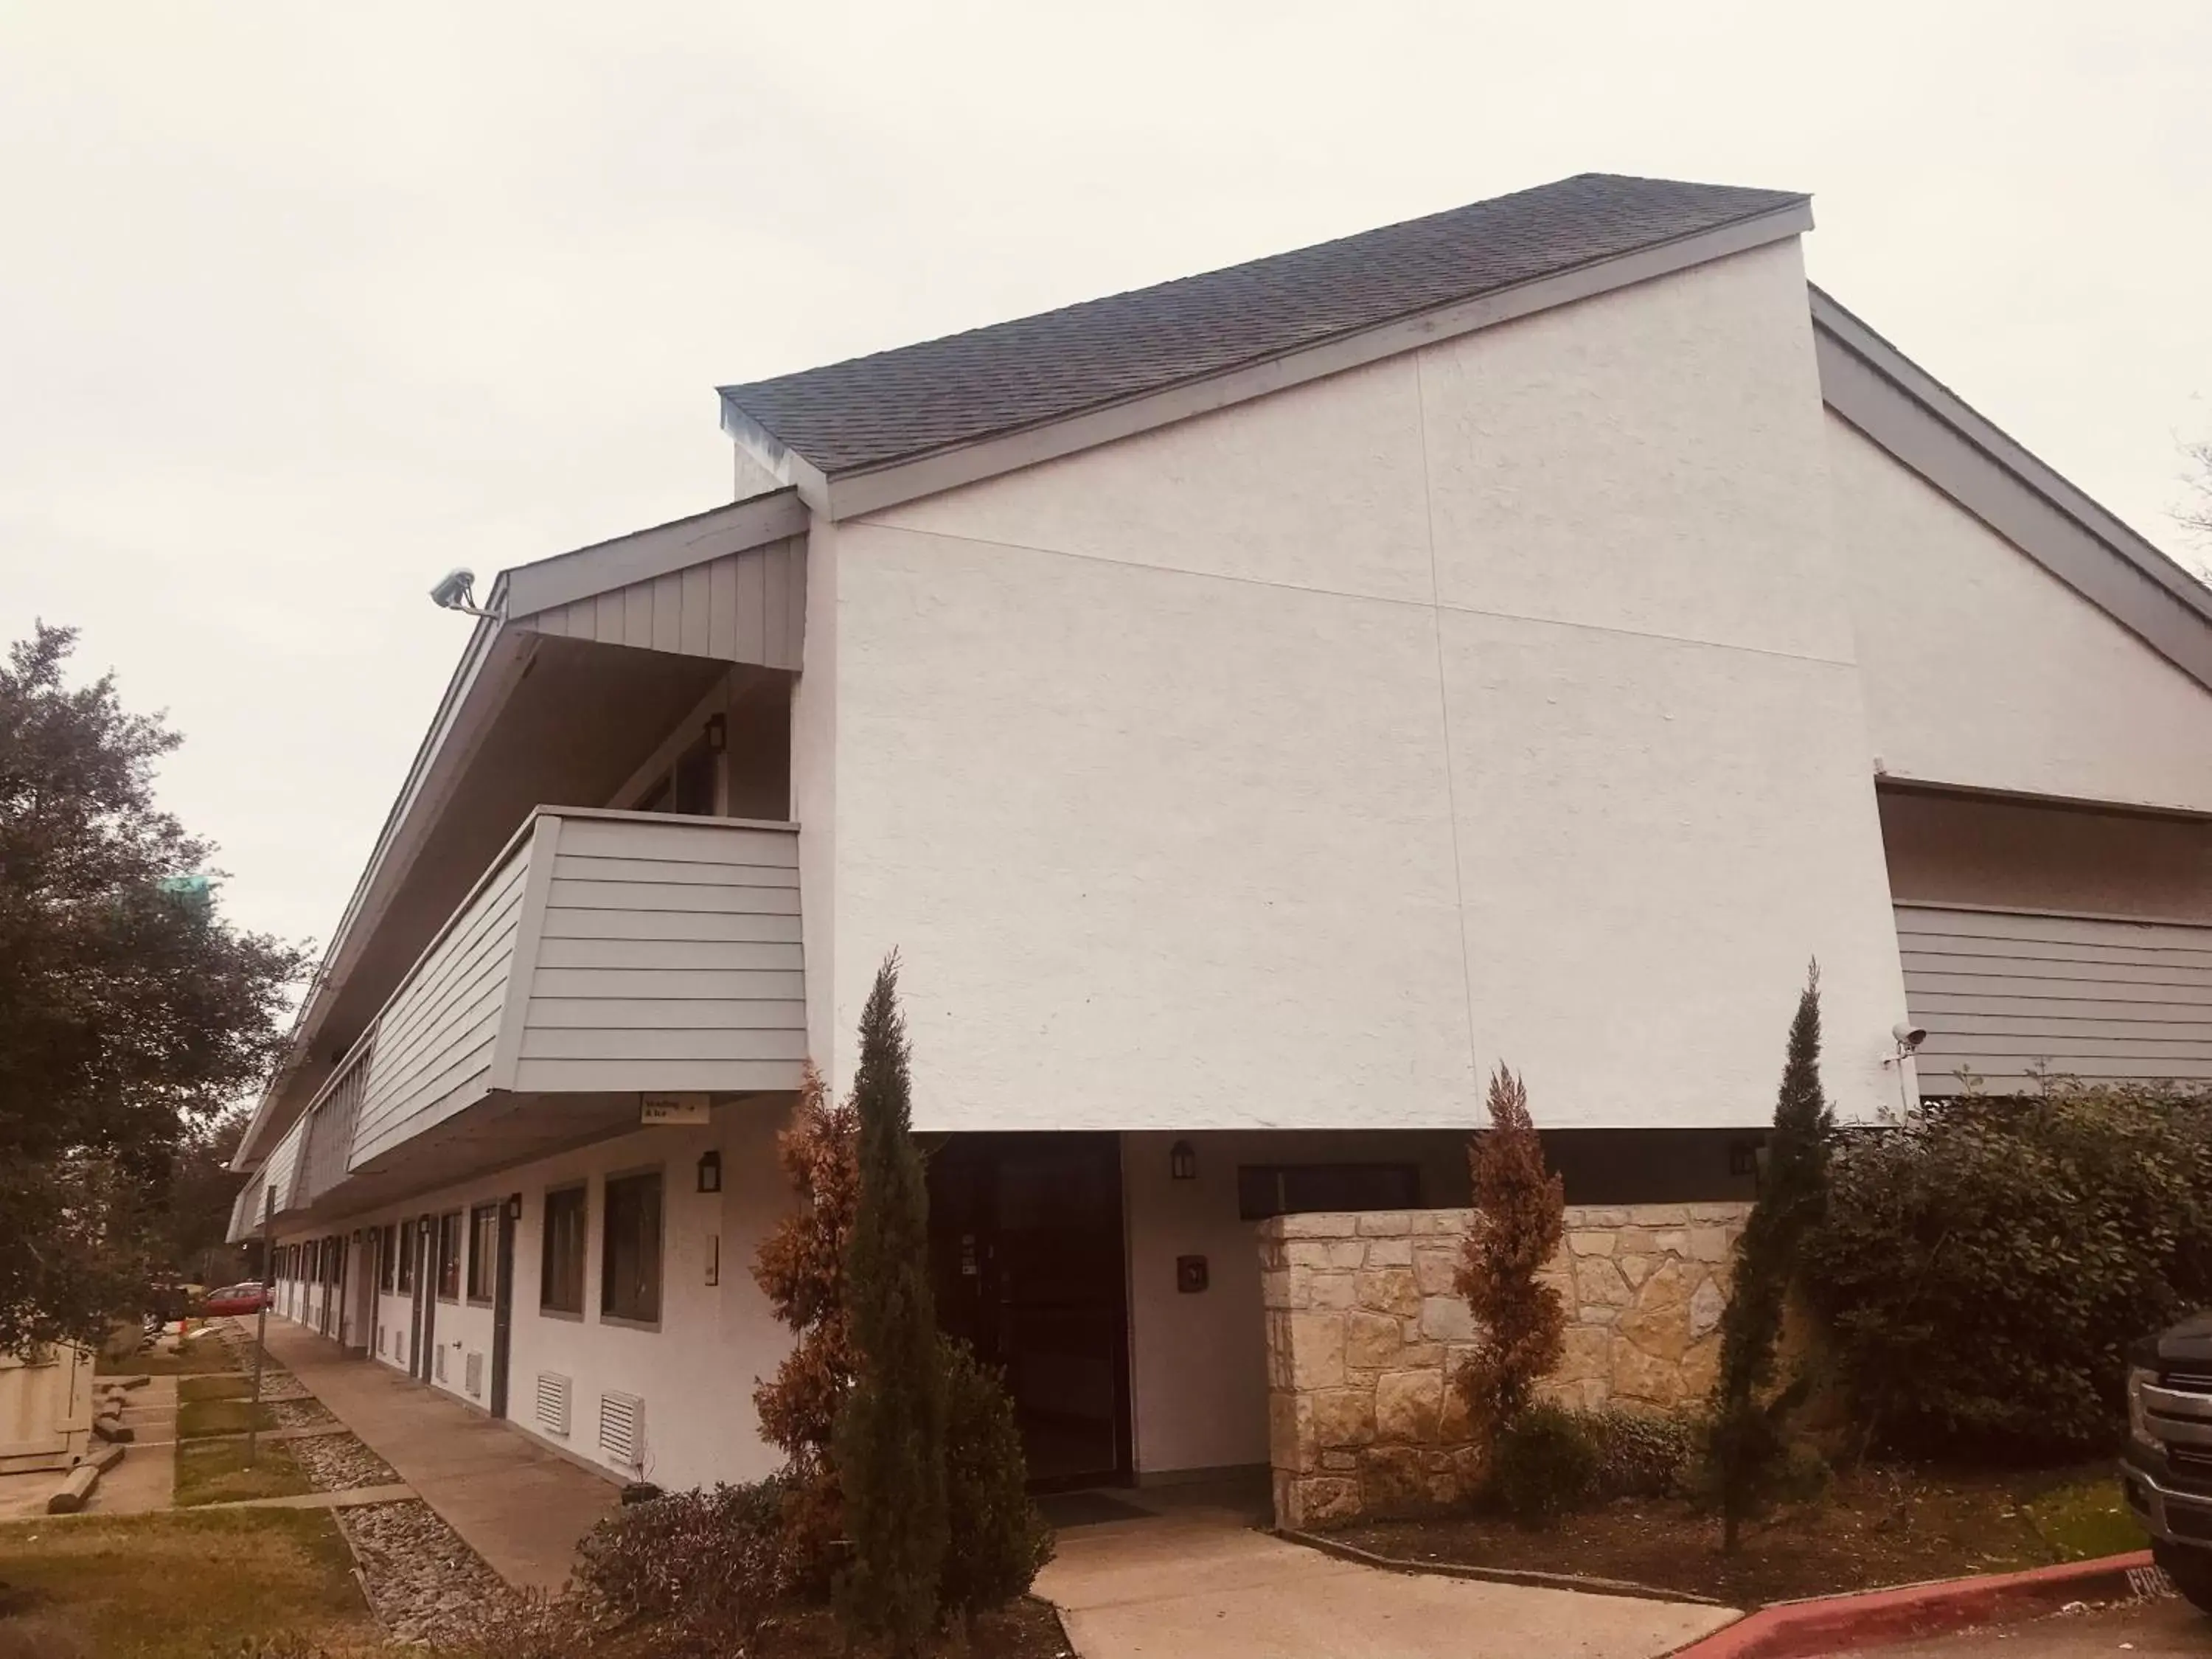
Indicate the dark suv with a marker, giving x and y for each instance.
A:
(2168, 1471)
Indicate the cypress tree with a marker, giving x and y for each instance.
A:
(890, 1444)
(1520, 1215)
(1745, 1445)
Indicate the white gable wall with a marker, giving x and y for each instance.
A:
(1983, 669)
(1285, 766)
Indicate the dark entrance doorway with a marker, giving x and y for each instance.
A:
(503, 1304)
(425, 1301)
(1025, 1247)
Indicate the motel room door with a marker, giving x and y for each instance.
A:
(1025, 1247)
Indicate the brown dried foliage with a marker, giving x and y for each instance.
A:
(801, 1269)
(1519, 1216)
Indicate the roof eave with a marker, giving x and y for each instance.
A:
(491, 664)
(854, 491)
(1922, 423)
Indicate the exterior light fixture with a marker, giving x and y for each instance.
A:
(718, 733)
(710, 1172)
(1183, 1161)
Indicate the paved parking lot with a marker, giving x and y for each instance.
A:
(2148, 1630)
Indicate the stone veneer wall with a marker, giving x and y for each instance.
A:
(1364, 1332)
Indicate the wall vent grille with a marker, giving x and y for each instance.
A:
(553, 1395)
(438, 1362)
(472, 1374)
(622, 1429)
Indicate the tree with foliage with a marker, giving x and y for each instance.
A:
(889, 1443)
(1520, 1215)
(194, 1216)
(1746, 1449)
(1964, 1316)
(801, 1269)
(130, 1012)
(998, 1543)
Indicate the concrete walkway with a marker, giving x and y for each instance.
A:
(518, 1504)
(1193, 1582)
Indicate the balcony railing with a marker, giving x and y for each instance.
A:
(602, 953)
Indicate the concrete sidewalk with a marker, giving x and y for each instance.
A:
(518, 1504)
(1190, 1584)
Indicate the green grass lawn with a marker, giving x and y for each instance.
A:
(215, 1472)
(224, 1387)
(199, 1417)
(179, 1586)
(202, 1357)
(2085, 1519)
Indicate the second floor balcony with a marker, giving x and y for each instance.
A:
(603, 956)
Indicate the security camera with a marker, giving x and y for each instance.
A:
(1908, 1037)
(456, 592)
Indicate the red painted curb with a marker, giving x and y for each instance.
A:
(1834, 1624)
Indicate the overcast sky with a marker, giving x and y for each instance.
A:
(302, 304)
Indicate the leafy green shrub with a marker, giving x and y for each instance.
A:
(705, 1566)
(1983, 1264)
(1640, 1454)
(999, 1541)
(1543, 1463)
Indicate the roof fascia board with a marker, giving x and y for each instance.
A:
(489, 667)
(1932, 433)
(851, 494)
(664, 549)
(1987, 436)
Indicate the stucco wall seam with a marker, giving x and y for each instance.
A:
(1316, 590)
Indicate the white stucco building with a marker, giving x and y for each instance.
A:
(1252, 706)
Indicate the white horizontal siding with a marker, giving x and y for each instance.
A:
(2008, 997)
(435, 1039)
(282, 1171)
(668, 958)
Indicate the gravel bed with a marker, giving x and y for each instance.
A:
(301, 1414)
(339, 1463)
(426, 1584)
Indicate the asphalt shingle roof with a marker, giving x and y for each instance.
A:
(870, 411)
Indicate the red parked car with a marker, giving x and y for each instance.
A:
(233, 1299)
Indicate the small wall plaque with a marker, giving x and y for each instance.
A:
(671, 1110)
(1190, 1274)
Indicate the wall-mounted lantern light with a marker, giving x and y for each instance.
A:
(1183, 1161)
(718, 733)
(710, 1172)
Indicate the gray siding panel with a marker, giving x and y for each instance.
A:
(619, 1075)
(331, 1122)
(282, 1170)
(2009, 997)
(434, 1039)
(670, 958)
(605, 951)
(742, 607)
